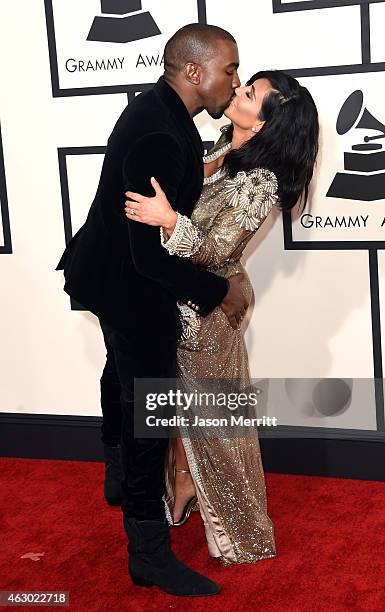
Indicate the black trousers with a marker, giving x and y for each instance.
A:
(129, 357)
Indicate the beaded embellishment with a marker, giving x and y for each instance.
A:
(190, 322)
(251, 194)
(185, 240)
(211, 157)
(217, 153)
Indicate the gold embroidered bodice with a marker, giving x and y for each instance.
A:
(226, 216)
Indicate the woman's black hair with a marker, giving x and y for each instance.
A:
(287, 144)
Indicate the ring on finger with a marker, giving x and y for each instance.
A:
(132, 211)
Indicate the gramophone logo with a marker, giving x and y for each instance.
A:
(364, 166)
(122, 21)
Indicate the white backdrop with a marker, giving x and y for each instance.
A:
(312, 311)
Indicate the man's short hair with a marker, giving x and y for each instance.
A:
(196, 43)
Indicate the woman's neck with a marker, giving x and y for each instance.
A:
(239, 137)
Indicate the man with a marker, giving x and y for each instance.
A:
(119, 271)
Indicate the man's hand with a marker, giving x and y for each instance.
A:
(234, 305)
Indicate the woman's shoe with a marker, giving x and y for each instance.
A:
(186, 512)
(190, 504)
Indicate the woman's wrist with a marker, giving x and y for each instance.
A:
(170, 223)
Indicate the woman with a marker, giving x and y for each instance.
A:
(264, 158)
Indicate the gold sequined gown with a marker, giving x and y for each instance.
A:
(227, 472)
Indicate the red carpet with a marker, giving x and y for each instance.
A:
(330, 538)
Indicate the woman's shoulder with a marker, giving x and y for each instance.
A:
(252, 194)
(260, 179)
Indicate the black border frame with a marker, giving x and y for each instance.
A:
(370, 246)
(63, 152)
(65, 196)
(365, 67)
(366, 64)
(309, 5)
(58, 92)
(6, 248)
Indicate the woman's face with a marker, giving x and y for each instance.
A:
(244, 109)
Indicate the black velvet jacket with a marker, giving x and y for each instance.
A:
(117, 268)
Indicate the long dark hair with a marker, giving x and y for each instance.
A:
(287, 144)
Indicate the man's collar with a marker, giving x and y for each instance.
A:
(176, 106)
(172, 99)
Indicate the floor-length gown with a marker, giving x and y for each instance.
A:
(227, 472)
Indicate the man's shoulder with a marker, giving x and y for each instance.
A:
(148, 106)
(146, 114)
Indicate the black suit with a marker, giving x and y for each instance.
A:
(118, 269)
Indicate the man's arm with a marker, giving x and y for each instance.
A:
(159, 155)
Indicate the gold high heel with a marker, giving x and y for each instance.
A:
(189, 506)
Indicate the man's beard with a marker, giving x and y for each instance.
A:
(217, 114)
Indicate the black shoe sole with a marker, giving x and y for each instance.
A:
(147, 584)
(113, 501)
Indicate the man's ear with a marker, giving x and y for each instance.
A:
(193, 73)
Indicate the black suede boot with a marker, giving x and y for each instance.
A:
(113, 475)
(152, 563)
